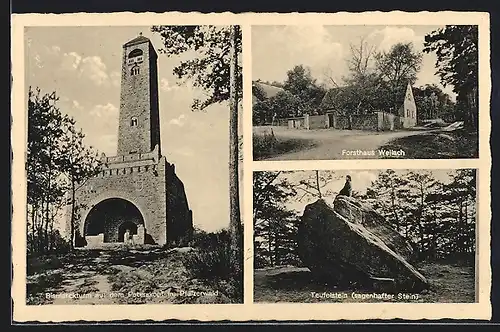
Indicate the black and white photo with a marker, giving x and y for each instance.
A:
(322, 92)
(365, 236)
(130, 198)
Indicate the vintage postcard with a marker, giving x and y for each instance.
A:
(208, 167)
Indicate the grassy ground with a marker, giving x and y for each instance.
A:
(265, 146)
(456, 144)
(450, 283)
(120, 277)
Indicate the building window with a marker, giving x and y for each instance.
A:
(133, 122)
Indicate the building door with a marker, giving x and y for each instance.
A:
(330, 121)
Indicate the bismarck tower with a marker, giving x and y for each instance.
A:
(137, 197)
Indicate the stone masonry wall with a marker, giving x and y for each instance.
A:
(139, 185)
(179, 216)
(318, 121)
(136, 100)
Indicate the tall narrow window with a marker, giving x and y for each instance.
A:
(133, 122)
(134, 71)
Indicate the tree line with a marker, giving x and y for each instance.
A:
(437, 217)
(377, 81)
(58, 162)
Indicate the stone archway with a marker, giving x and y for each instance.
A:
(108, 220)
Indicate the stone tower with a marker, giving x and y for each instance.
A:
(137, 197)
(139, 123)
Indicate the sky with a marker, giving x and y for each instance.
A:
(83, 66)
(325, 49)
(360, 181)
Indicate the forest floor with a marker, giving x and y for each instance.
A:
(450, 283)
(118, 277)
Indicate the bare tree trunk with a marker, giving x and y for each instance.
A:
(33, 226)
(277, 258)
(270, 243)
(460, 228)
(393, 202)
(72, 221)
(234, 203)
(419, 221)
(40, 226)
(47, 208)
(317, 184)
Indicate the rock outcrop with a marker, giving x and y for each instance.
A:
(350, 242)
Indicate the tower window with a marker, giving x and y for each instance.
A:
(133, 122)
(135, 53)
(134, 71)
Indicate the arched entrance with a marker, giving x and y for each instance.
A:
(126, 227)
(108, 220)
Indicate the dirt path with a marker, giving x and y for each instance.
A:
(90, 286)
(118, 276)
(330, 143)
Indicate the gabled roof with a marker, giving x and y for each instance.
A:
(330, 95)
(137, 40)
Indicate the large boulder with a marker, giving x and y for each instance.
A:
(356, 212)
(351, 243)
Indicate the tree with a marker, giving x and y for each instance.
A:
(79, 164)
(282, 105)
(456, 48)
(216, 69)
(363, 90)
(312, 184)
(398, 68)
(301, 84)
(437, 217)
(459, 196)
(385, 192)
(360, 63)
(433, 103)
(45, 188)
(56, 155)
(275, 226)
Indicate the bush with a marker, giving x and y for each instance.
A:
(267, 145)
(204, 240)
(209, 263)
(264, 144)
(52, 243)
